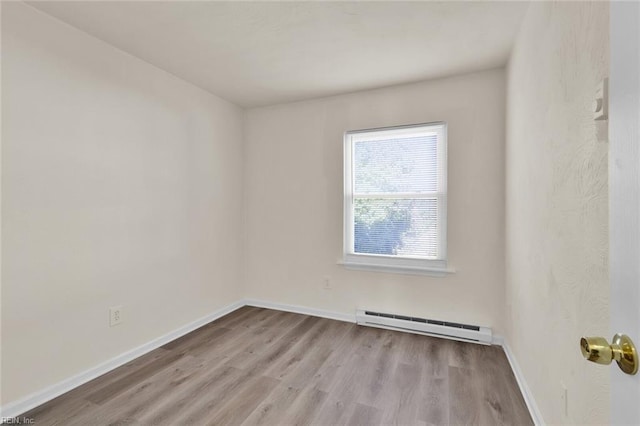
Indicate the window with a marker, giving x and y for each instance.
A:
(395, 208)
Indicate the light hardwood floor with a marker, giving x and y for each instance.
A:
(261, 366)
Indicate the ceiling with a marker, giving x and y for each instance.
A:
(260, 53)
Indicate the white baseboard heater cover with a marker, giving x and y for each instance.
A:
(430, 327)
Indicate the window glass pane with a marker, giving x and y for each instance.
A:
(400, 227)
(407, 164)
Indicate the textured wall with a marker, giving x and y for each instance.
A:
(557, 207)
(121, 185)
(294, 200)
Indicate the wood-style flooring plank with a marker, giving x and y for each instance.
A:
(173, 407)
(365, 415)
(272, 408)
(288, 363)
(464, 400)
(304, 407)
(111, 377)
(238, 408)
(258, 366)
(239, 317)
(196, 403)
(433, 408)
(116, 387)
(144, 396)
(306, 369)
(331, 412)
(60, 411)
(404, 396)
(382, 371)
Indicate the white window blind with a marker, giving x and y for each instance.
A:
(395, 197)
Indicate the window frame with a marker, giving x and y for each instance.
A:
(391, 263)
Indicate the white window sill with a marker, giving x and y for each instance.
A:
(407, 270)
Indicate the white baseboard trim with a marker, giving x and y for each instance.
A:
(301, 310)
(497, 340)
(16, 408)
(536, 416)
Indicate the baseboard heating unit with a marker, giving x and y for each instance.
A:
(430, 327)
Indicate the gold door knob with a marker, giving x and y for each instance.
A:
(621, 349)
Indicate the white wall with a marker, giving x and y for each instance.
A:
(557, 207)
(121, 184)
(293, 185)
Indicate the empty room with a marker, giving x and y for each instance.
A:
(320, 213)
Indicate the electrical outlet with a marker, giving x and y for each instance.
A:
(115, 315)
(327, 283)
